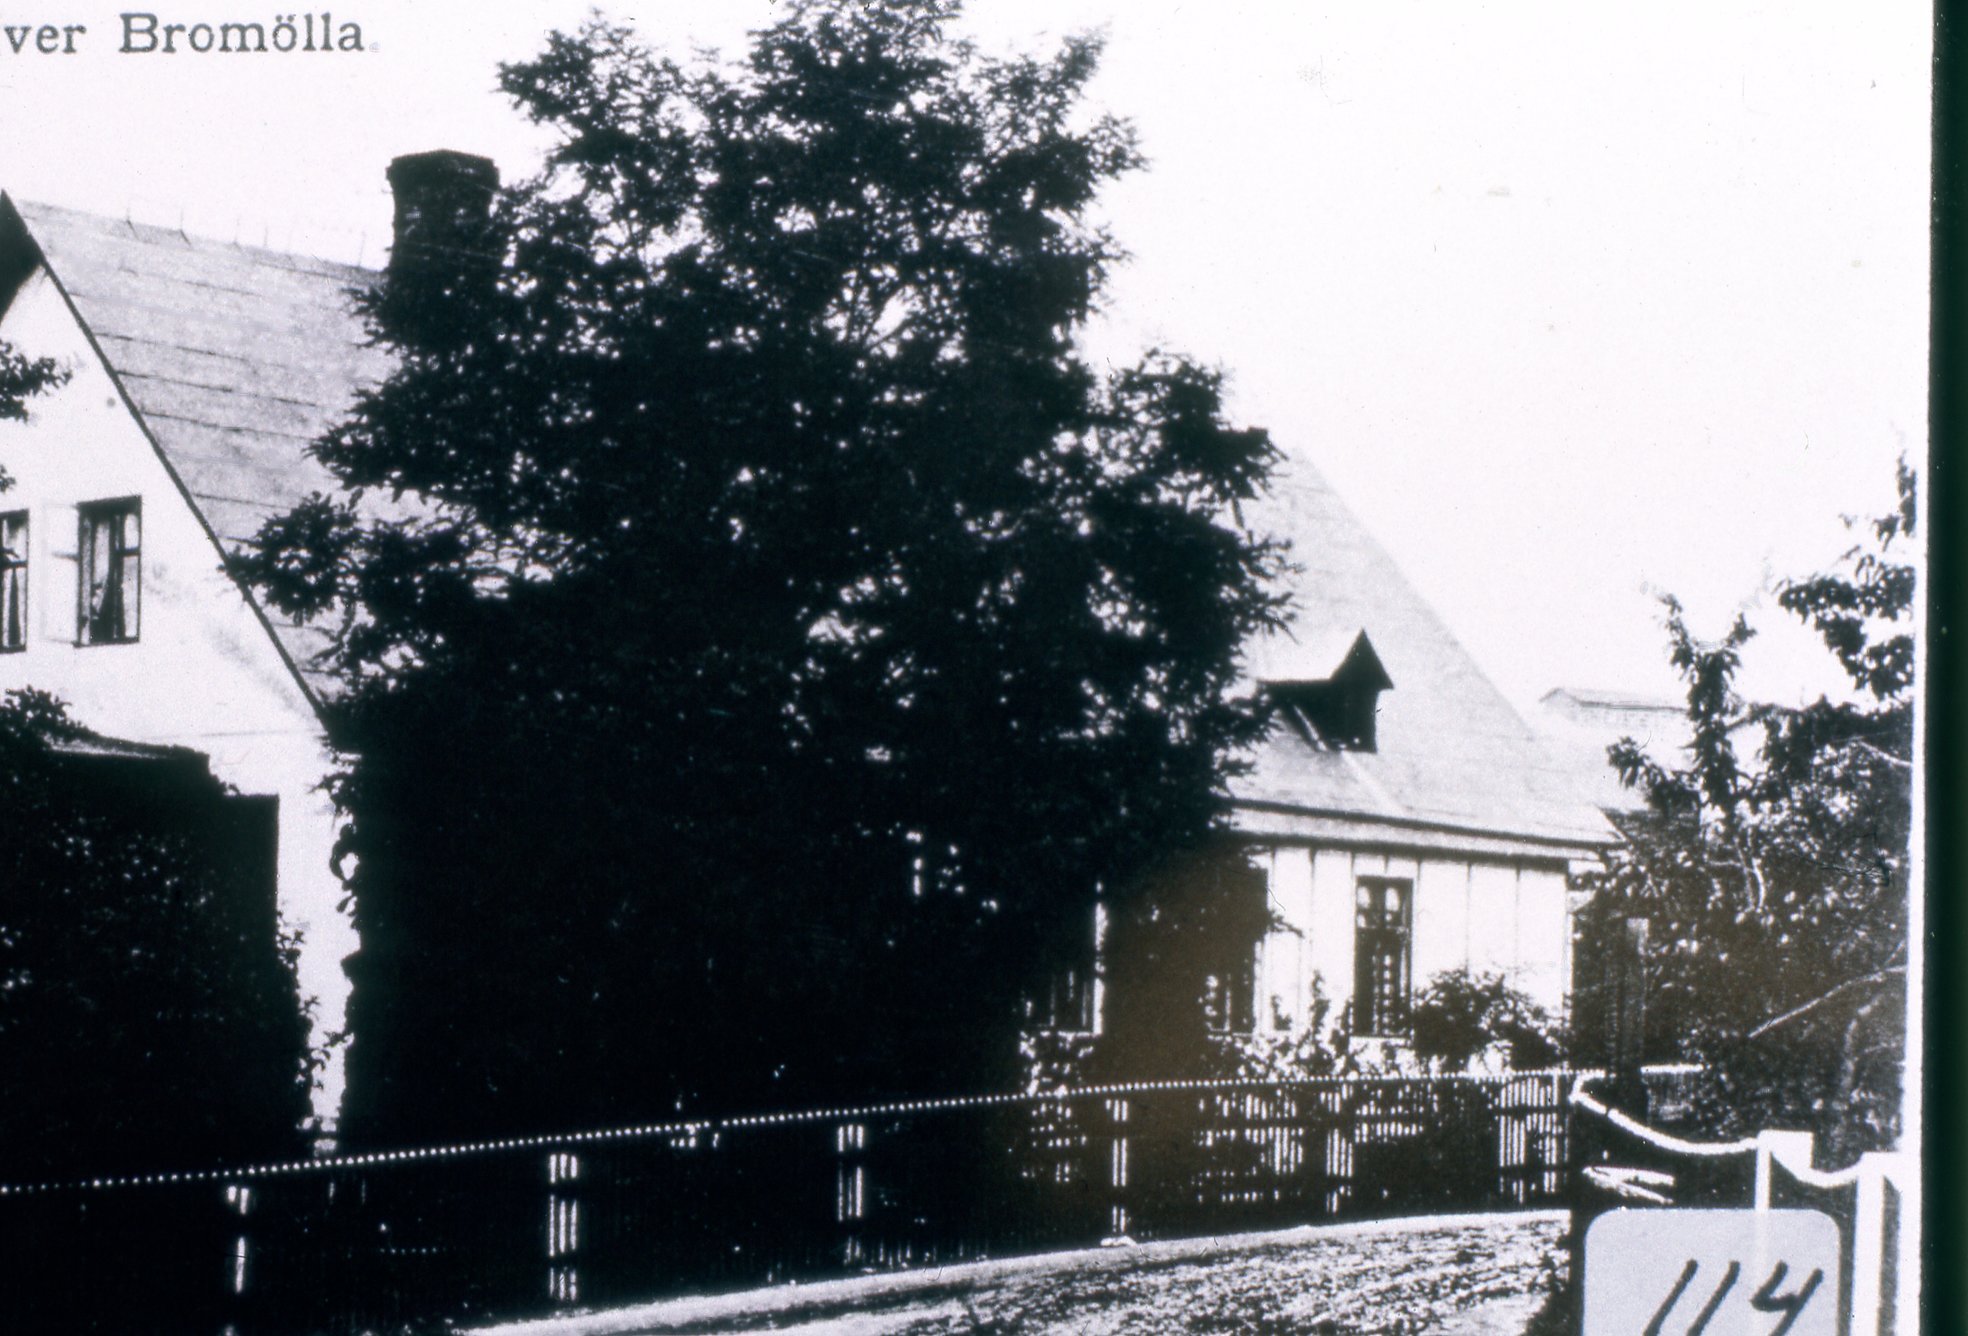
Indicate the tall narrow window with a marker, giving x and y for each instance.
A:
(13, 581)
(112, 572)
(1382, 954)
(1233, 922)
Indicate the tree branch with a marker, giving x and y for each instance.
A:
(1897, 762)
(1824, 999)
(1754, 868)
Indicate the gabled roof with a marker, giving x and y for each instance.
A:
(1339, 709)
(1451, 754)
(235, 357)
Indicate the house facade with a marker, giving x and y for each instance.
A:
(199, 371)
(1401, 820)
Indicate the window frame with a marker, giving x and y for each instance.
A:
(125, 574)
(14, 581)
(1381, 938)
(1227, 989)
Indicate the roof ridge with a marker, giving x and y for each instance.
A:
(296, 261)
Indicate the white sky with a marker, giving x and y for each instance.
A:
(1569, 302)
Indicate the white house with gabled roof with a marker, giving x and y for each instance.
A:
(199, 373)
(1401, 820)
(1409, 821)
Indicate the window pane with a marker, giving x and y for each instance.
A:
(1382, 955)
(129, 587)
(13, 610)
(13, 580)
(111, 573)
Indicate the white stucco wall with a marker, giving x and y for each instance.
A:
(1481, 915)
(204, 672)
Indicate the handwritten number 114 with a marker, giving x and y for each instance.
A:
(1765, 1300)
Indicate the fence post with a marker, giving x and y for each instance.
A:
(1906, 1243)
(1627, 1088)
(850, 1187)
(1868, 1246)
(1118, 1223)
(1796, 1149)
(239, 1199)
(563, 1227)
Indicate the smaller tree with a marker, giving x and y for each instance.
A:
(1775, 892)
(1180, 959)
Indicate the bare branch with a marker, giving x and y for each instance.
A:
(1755, 870)
(1823, 999)
(1897, 762)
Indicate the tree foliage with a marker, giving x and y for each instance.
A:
(1179, 967)
(148, 1013)
(1775, 890)
(21, 379)
(793, 631)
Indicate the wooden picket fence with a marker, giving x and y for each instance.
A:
(385, 1241)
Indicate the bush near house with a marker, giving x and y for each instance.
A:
(148, 1011)
(1459, 1016)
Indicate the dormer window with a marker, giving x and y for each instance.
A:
(1336, 712)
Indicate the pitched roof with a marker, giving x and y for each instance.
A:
(236, 358)
(1450, 754)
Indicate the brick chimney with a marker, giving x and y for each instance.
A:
(442, 252)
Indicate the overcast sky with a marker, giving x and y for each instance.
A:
(1571, 303)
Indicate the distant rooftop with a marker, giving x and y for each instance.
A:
(1596, 699)
(1580, 724)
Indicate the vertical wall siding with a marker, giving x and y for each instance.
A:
(1483, 917)
(1543, 938)
(1332, 936)
(1492, 919)
(1441, 919)
(1285, 961)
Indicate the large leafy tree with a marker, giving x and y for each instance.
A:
(790, 632)
(1775, 886)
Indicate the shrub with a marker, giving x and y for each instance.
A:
(1459, 1015)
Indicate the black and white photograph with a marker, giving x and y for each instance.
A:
(921, 667)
